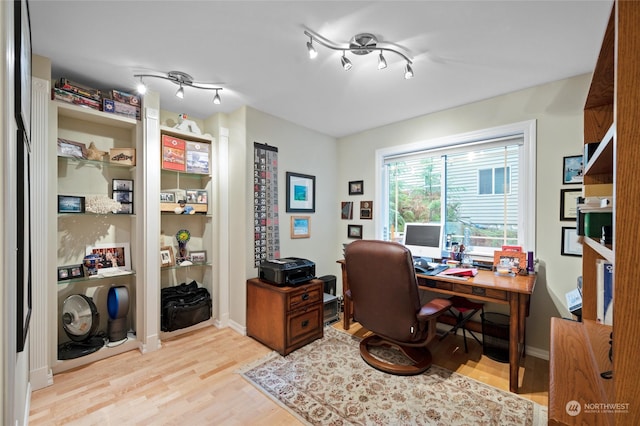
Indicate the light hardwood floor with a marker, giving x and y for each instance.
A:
(192, 380)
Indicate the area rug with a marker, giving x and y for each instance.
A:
(328, 383)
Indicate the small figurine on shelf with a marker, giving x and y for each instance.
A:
(189, 125)
(94, 153)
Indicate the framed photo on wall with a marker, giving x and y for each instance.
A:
(570, 244)
(301, 193)
(572, 169)
(22, 61)
(354, 231)
(568, 203)
(366, 209)
(346, 210)
(356, 187)
(300, 226)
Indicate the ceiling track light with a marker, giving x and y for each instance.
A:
(182, 79)
(360, 44)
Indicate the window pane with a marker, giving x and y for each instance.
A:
(485, 182)
(488, 222)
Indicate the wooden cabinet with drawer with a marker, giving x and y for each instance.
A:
(284, 318)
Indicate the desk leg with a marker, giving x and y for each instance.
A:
(514, 341)
(346, 302)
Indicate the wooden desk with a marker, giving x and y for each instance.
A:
(486, 286)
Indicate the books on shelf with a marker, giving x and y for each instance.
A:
(605, 291)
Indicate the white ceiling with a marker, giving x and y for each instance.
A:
(463, 51)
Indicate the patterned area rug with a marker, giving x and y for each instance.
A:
(328, 383)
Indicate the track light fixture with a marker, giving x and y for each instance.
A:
(360, 44)
(181, 79)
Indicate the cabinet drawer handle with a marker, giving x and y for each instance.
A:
(478, 290)
(305, 323)
(305, 296)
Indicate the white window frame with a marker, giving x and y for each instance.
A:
(527, 170)
(493, 181)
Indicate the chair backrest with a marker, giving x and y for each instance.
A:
(384, 290)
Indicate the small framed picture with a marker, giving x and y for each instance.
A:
(202, 197)
(366, 209)
(122, 185)
(301, 193)
(70, 204)
(63, 273)
(167, 197)
(123, 196)
(354, 231)
(125, 208)
(356, 187)
(570, 243)
(300, 226)
(568, 203)
(166, 256)
(192, 196)
(110, 257)
(513, 260)
(76, 271)
(346, 210)
(572, 169)
(67, 148)
(198, 256)
(124, 156)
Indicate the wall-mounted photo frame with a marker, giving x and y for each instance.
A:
(354, 231)
(301, 193)
(346, 210)
(24, 264)
(356, 187)
(572, 169)
(568, 203)
(366, 209)
(70, 204)
(123, 156)
(22, 63)
(71, 149)
(300, 226)
(570, 243)
(111, 257)
(166, 256)
(198, 256)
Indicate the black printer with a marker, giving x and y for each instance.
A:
(287, 271)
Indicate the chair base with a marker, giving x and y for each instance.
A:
(420, 356)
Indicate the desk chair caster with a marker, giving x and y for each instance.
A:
(463, 310)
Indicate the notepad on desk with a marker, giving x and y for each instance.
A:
(460, 272)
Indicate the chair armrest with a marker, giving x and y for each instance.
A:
(433, 309)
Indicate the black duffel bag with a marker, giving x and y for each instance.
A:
(184, 305)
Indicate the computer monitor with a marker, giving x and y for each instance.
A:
(423, 239)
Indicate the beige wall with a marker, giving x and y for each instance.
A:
(557, 107)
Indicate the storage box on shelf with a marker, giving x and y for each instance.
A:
(106, 231)
(185, 200)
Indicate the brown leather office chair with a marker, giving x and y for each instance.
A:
(386, 301)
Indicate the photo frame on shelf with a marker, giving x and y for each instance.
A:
(570, 244)
(568, 203)
(354, 231)
(356, 187)
(63, 273)
(70, 272)
(346, 210)
(198, 256)
(167, 197)
(22, 64)
(71, 204)
(202, 196)
(111, 257)
(71, 149)
(166, 256)
(366, 209)
(301, 193)
(76, 271)
(572, 169)
(122, 184)
(514, 260)
(300, 227)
